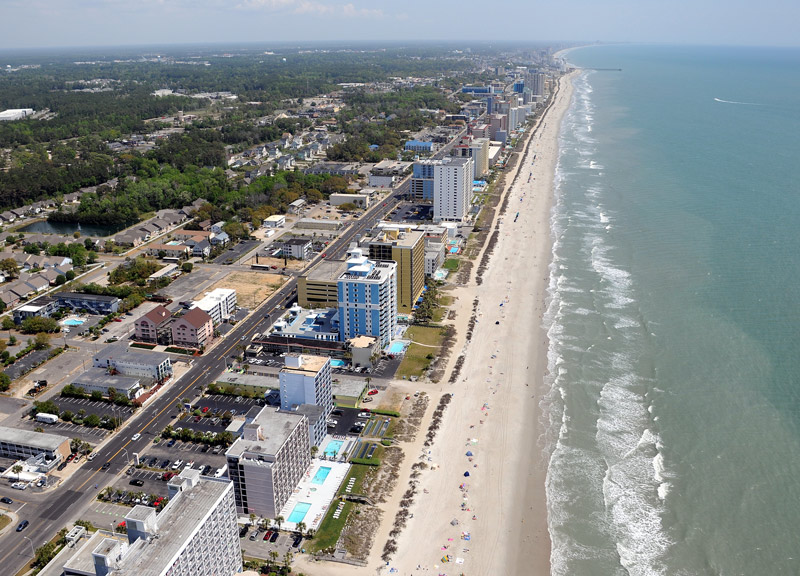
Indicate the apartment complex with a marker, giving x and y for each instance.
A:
(195, 329)
(196, 534)
(120, 359)
(154, 327)
(452, 189)
(367, 294)
(94, 303)
(268, 461)
(407, 249)
(422, 179)
(478, 150)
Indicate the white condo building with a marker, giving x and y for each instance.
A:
(452, 189)
(268, 461)
(306, 379)
(219, 304)
(196, 534)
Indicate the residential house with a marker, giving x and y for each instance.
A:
(37, 283)
(169, 250)
(216, 228)
(129, 238)
(285, 162)
(8, 216)
(195, 329)
(202, 249)
(186, 234)
(220, 239)
(149, 231)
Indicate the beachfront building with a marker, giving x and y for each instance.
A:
(268, 461)
(298, 247)
(219, 304)
(478, 150)
(306, 379)
(99, 380)
(196, 534)
(367, 293)
(195, 329)
(94, 303)
(407, 248)
(452, 189)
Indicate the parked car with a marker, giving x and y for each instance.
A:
(171, 443)
(274, 536)
(267, 535)
(91, 456)
(177, 464)
(136, 482)
(167, 475)
(364, 414)
(296, 542)
(373, 392)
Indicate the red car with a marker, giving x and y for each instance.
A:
(373, 392)
(324, 254)
(117, 319)
(205, 409)
(268, 535)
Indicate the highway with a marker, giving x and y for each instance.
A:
(51, 511)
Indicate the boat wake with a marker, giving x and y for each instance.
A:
(735, 102)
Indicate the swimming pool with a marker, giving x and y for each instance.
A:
(73, 322)
(299, 512)
(337, 363)
(454, 250)
(332, 449)
(322, 473)
(397, 347)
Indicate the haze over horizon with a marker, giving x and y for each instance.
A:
(68, 23)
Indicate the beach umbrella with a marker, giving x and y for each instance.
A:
(469, 452)
(466, 473)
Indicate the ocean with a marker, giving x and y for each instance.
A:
(674, 315)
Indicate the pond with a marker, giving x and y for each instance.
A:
(67, 228)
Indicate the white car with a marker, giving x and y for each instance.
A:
(19, 485)
(91, 456)
(364, 414)
(135, 437)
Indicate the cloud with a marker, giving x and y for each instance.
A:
(311, 7)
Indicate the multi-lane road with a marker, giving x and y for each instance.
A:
(51, 511)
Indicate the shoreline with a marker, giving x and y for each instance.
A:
(502, 505)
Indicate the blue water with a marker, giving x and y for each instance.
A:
(338, 363)
(319, 477)
(73, 322)
(299, 512)
(674, 407)
(397, 347)
(333, 447)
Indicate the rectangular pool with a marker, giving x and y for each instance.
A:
(299, 512)
(332, 449)
(397, 348)
(322, 473)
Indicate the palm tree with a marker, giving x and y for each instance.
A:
(16, 469)
(252, 519)
(273, 556)
(287, 559)
(278, 521)
(301, 527)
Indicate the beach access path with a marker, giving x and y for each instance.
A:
(494, 414)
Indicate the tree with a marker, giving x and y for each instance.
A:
(301, 527)
(47, 406)
(187, 267)
(5, 382)
(36, 324)
(287, 559)
(41, 341)
(9, 267)
(8, 324)
(273, 556)
(44, 554)
(70, 275)
(96, 395)
(60, 280)
(16, 469)
(112, 392)
(76, 234)
(278, 521)
(92, 420)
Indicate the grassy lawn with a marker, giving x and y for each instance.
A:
(426, 340)
(330, 528)
(4, 521)
(451, 264)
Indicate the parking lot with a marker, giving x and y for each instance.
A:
(232, 254)
(412, 213)
(346, 419)
(259, 548)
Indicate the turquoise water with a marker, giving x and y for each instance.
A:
(322, 473)
(674, 409)
(397, 347)
(73, 322)
(299, 512)
(337, 363)
(333, 447)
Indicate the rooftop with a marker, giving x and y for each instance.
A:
(276, 427)
(158, 315)
(101, 377)
(197, 317)
(39, 440)
(306, 323)
(309, 365)
(329, 270)
(122, 353)
(236, 379)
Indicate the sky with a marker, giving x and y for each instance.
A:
(53, 23)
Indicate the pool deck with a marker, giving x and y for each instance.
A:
(319, 496)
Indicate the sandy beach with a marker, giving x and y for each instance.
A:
(493, 521)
